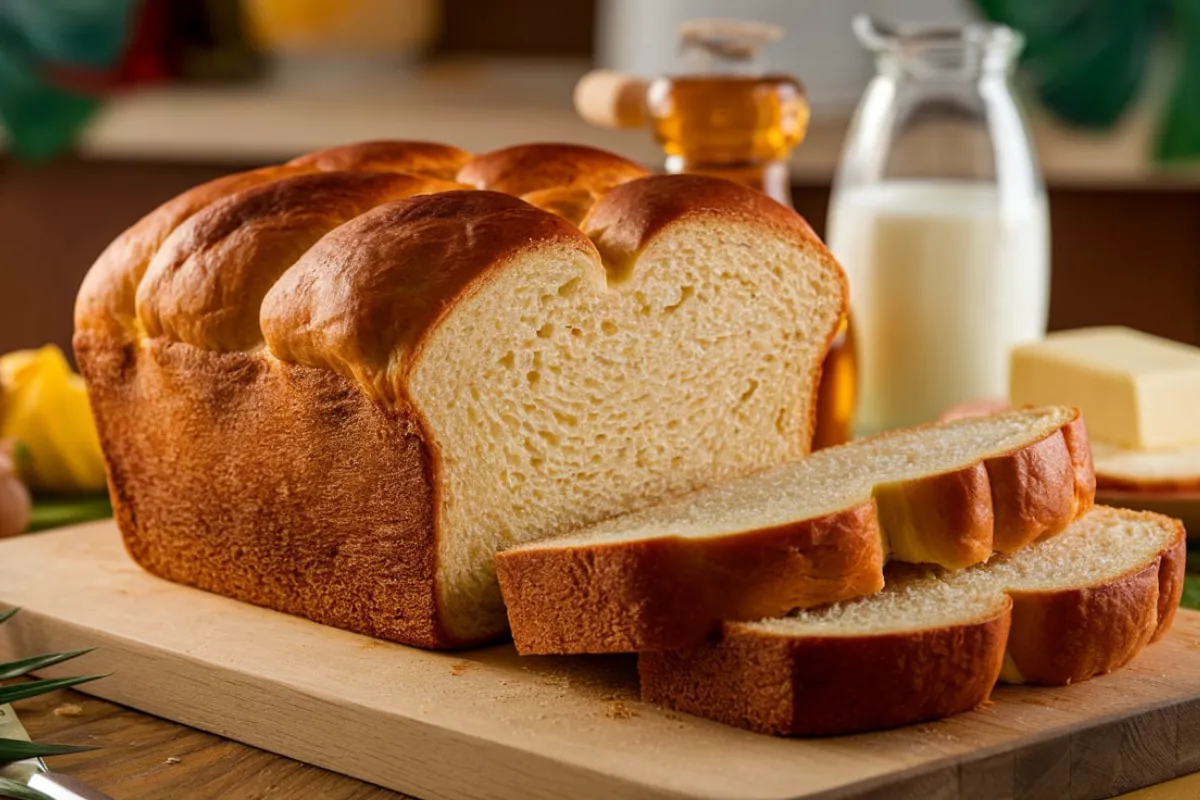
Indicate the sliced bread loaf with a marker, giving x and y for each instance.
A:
(812, 532)
(336, 387)
(933, 643)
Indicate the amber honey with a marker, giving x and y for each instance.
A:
(744, 129)
(724, 119)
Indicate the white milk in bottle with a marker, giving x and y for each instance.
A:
(939, 217)
(944, 280)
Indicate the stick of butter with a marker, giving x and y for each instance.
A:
(1135, 390)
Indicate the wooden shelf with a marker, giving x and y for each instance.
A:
(484, 105)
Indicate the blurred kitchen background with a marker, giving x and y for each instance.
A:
(113, 106)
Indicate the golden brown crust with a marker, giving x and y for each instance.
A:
(207, 282)
(418, 158)
(944, 519)
(671, 592)
(1171, 571)
(106, 299)
(1065, 637)
(1071, 635)
(628, 218)
(1039, 490)
(301, 521)
(566, 180)
(363, 298)
(529, 168)
(1008, 501)
(1079, 447)
(744, 682)
(823, 686)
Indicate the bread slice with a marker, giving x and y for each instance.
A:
(933, 643)
(812, 532)
(1166, 470)
(1174, 470)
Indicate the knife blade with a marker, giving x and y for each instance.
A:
(64, 787)
(11, 728)
(33, 772)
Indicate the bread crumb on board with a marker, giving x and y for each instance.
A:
(173, 760)
(459, 667)
(69, 710)
(618, 710)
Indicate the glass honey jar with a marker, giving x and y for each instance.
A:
(724, 115)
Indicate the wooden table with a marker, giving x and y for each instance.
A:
(144, 757)
(147, 758)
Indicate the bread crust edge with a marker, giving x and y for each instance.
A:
(669, 592)
(832, 685)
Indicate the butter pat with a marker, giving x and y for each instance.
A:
(1135, 390)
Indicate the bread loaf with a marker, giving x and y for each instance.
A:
(337, 387)
(934, 643)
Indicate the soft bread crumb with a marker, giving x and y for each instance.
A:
(69, 710)
(557, 412)
(826, 481)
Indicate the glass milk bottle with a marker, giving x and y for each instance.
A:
(939, 218)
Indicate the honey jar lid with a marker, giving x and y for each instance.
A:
(727, 39)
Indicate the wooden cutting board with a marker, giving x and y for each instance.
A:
(488, 724)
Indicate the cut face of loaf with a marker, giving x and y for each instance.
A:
(801, 535)
(336, 388)
(933, 643)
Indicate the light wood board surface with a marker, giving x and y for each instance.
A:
(486, 723)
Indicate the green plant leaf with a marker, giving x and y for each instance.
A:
(15, 669)
(19, 750)
(1191, 592)
(1087, 61)
(55, 511)
(19, 791)
(5, 616)
(22, 691)
(1178, 137)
